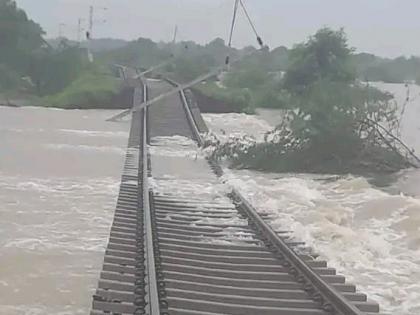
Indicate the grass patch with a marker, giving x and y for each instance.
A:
(92, 89)
(236, 99)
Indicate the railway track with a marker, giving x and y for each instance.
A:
(183, 246)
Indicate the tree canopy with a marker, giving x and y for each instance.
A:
(19, 36)
(325, 56)
(332, 122)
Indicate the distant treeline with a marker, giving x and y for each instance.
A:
(56, 73)
(191, 58)
(399, 70)
(45, 68)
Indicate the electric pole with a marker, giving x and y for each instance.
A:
(175, 34)
(79, 30)
(89, 32)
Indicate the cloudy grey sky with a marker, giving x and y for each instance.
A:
(384, 27)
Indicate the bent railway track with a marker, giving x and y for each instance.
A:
(174, 251)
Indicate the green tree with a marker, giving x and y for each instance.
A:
(51, 70)
(9, 79)
(247, 77)
(19, 36)
(325, 56)
(336, 123)
(142, 53)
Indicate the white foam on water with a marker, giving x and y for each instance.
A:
(21, 130)
(371, 236)
(65, 185)
(352, 225)
(40, 108)
(86, 148)
(40, 310)
(368, 235)
(185, 188)
(228, 125)
(56, 213)
(56, 206)
(130, 182)
(175, 146)
(96, 133)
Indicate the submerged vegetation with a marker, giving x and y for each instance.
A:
(333, 123)
(238, 100)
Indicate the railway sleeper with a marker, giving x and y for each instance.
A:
(257, 247)
(238, 267)
(203, 228)
(215, 239)
(238, 309)
(240, 274)
(227, 251)
(242, 300)
(233, 259)
(233, 290)
(114, 307)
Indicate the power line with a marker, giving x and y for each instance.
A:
(232, 27)
(259, 39)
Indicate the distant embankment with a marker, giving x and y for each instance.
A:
(208, 104)
(121, 99)
(5, 101)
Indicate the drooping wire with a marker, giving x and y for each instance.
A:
(232, 28)
(259, 39)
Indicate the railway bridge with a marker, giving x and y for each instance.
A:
(177, 250)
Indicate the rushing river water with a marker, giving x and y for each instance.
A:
(59, 177)
(370, 234)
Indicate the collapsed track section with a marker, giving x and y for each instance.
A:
(187, 247)
(122, 288)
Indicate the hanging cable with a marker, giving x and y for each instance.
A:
(259, 39)
(232, 28)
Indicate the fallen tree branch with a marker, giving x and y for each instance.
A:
(396, 139)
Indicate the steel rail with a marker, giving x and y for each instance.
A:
(157, 264)
(190, 116)
(121, 287)
(333, 300)
(152, 307)
(178, 89)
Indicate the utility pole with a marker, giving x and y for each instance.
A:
(79, 30)
(91, 11)
(175, 34)
(89, 33)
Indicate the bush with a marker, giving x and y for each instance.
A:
(9, 79)
(239, 100)
(93, 89)
(335, 124)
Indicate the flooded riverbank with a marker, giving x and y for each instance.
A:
(369, 232)
(59, 177)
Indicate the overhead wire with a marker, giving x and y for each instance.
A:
(210, 74)
(241, 3)
(259, 39)
(232, 28)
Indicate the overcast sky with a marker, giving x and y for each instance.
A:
(384, 27)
